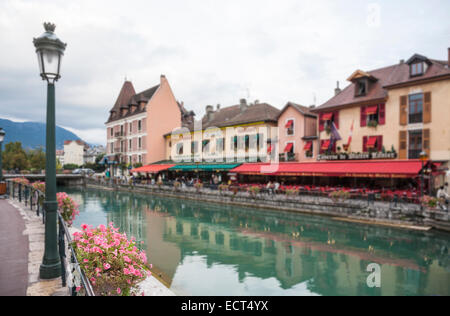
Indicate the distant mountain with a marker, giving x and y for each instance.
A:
(32, 134)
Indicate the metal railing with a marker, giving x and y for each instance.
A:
(34, 199)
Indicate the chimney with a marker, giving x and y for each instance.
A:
(402, 61)
(209, 112)
(243, 105)
(218, 107)
(337, 90)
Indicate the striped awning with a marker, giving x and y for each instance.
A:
(151, 168)
(204, 167)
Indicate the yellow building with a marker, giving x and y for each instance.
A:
(394, 112)
(232, 134)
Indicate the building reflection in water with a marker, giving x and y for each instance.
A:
(320, 255)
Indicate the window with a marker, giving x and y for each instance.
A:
(121, 130)
(416, 69)
(140, 159)
(140, 142)
(129, 145)
(416, 108)
(361, 87)
(112, 131)
(139, 125)
(131, 127)
(309, 149)
(415, 144)
(290, 127)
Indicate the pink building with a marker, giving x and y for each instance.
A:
(297, 133)
(138, 121)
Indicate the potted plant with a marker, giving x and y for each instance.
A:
(254, 190)
(372, 123)
(112, 262)
(67, 207)
(198, 186)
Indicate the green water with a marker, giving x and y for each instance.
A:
(210, 249)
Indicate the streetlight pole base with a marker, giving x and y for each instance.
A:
(50, 271)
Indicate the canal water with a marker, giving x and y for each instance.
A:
(211, 249)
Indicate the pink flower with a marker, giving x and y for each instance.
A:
(118, 290)
(106, 266)
(126, 259)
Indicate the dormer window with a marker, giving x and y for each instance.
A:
(361, 87)
(416, 69)
(418, 65)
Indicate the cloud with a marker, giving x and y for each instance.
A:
(211, 51)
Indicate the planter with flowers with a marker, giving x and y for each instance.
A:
(112, 262)
(198, 186)
(67, 207)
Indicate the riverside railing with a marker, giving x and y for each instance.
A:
(34, 199)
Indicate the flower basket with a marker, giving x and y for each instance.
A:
(67, 207)
(112, 263)
(198, 186)
(254, 191)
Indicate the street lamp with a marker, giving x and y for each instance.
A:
(2, 138)
(49, 50)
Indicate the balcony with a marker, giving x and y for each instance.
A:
(288, 157)
(414, 153)
(119, 134)
(415, 118)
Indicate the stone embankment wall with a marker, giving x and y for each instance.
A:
(406, 215)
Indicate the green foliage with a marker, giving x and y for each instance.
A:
(71, 166)
(36, 158)
(15, 157)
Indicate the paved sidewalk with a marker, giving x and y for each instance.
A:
(13, 252)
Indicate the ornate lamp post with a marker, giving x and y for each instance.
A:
(50, 50)
(2, 138)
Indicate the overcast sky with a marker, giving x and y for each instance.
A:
(211, 51)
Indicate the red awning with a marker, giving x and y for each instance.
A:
(288, 147)
(308, 146)
(371, 142)
(327, 116)
(358, 168)
(289, 124)
(152, 168)
(372, 110)
(325, 145)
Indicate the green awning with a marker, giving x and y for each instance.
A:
(204, 167)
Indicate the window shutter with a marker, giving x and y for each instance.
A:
(427, 108)
(336, 119)
(382, 114)
(426, 141)
(379, 143)
(403, 110)
(402, 145)
(321, 122)
(363, 116)
(364, 144)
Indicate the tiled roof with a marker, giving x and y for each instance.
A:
(385, 78)
(302, 109)
(128, 97)
(233, 115)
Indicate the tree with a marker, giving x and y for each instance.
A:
(36, 158)
(14, 157)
